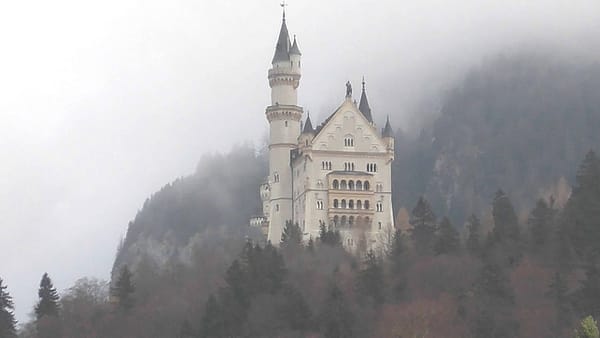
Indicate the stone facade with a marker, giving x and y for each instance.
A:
(338, 174)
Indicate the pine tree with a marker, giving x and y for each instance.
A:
(474, 238)
(295, 311)
(506, 225)
(291, 236)
(124, 289)
(448, 241)
(493, 315)
(397, 252)
(587, 298)
(582, 212)
(336, 319)
(424, 227)
(370, 279)
(539, 222)
(7, 316)
(329, 236)
(212, 323)
(557, 291)
(48, 299)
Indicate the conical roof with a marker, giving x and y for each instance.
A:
(282, 50)
(364, 104)
(295, 50)
(387, 130)
(308, 128)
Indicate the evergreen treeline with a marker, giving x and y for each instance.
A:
(500, 278)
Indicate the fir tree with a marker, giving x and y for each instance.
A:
(424, 227)
(397, 252)
(557, 291)
(448, 241)
(295, 311)
(7, 316)
(291, 236)
(329, 236)
(539, 223)
(124, 289)
(48, 299)
(370, 279)
(474, 237)
(506, 226)
(582, 212)
(587, 298)
(494, 299)
(336, 319)
(212, 323)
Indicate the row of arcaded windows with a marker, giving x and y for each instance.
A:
(351, 185)
(350, 221)
(350, 204)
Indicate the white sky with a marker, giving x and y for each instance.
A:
(104, 102)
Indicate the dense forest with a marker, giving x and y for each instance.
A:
(502, 194)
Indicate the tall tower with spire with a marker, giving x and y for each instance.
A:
(284, 116)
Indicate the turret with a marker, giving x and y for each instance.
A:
(284, 116)
(308, 133)
(388, 134)
(364, 104)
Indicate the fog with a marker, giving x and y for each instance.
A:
(104, 102)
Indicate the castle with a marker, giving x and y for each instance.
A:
(337, 174)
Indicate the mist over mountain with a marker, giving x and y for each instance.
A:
(519, 123)
(516, 122)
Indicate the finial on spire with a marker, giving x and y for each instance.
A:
(283, 6)
(363, 83)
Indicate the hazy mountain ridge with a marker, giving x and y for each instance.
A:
(223, 192)
(519, 123)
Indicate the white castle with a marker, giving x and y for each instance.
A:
(337, 174)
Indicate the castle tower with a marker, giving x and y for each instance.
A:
(284, 116)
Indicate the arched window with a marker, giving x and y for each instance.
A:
(344, 220)
(336, 204)
(379, 206)
(367, 221)
(359, 185)
(286, 124)
(351, 221)
(343, 204)
(359, 204)
(336, 184)
(351, 204)
(379, 225)
(367, 185)
(343, 185)
(276, 207)
(351, 185)
(336, 220)
(367, 204)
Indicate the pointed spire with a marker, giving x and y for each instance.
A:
(387, 130)
(308, 128)
(282, 50)
(295, 50)
(364, 103)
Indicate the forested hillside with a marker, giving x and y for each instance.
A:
(519, 123)
(484, 255)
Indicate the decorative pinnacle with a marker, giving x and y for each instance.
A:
(363, 83)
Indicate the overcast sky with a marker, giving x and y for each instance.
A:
(104, 102)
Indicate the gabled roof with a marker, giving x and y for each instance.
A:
(364, 104)
(282, 50)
